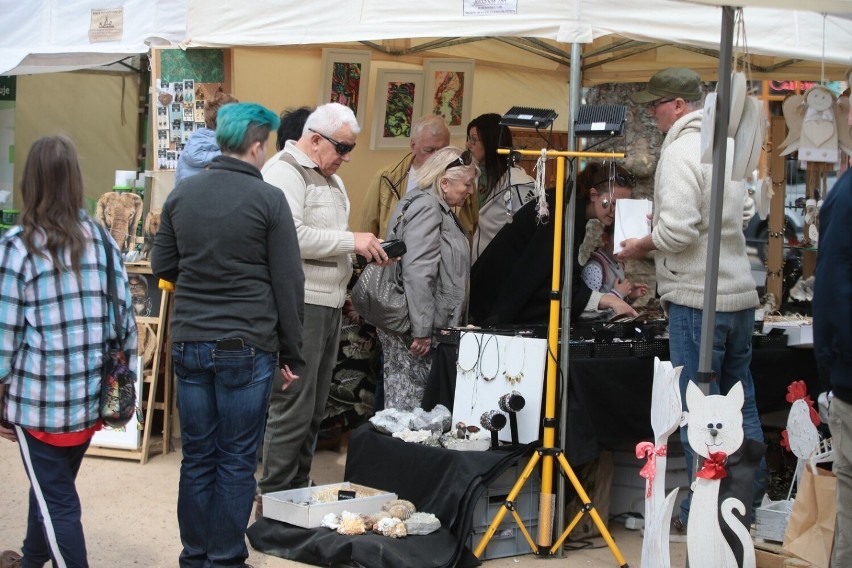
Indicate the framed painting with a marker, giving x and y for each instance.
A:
(448, 91)
(345, 74)
(399, 96)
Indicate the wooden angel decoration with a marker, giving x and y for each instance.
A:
(666, 414)
(818, 125)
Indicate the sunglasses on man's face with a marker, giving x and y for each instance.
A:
(464, 159)
(339, 147)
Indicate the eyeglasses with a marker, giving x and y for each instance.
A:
(473, 139)
(622, 180)
(339, 147)
(464, 159)
(656, 104)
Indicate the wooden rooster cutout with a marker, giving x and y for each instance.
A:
(817, 125)
(801, 436)
(666, 415)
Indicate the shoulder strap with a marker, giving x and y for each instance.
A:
(112, 293)
(404, 209)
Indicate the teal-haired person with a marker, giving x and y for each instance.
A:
(228, 242)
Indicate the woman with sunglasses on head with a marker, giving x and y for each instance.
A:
(435, 270)
(510, 283)
(501, 188)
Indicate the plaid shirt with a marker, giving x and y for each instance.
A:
(52, 332)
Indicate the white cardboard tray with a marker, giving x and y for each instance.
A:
(294, 506)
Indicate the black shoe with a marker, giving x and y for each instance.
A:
(678, 531)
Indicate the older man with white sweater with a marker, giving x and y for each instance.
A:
(679, 238)
(305, 170)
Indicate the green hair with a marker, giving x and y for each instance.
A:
(239, 125)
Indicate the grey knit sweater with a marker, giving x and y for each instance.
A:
(681, 225)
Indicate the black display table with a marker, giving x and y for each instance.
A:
(447, 483)
(609, 400)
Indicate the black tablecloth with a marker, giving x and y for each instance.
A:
(444, 482)
(609, 400)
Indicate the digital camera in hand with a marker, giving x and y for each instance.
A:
(393, 248)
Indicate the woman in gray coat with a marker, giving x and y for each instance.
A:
(435, 270)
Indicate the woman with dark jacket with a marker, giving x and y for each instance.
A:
(435, 270)
(510, 283)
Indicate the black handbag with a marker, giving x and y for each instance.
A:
(118, 381)
(379, 296)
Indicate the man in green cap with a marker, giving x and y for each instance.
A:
(679, 237)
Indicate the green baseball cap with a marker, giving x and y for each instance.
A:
(671, 83)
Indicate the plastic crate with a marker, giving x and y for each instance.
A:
(507, 540)
(654, 348)
(762, 341)
(615, 349)
(580, 349)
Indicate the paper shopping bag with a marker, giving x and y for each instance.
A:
(810, 530)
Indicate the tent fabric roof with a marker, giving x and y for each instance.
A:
(769, 31)
(51, 35)
(42, 36)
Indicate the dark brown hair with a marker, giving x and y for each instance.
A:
(52, 188)
(597, 174)
(493, 136)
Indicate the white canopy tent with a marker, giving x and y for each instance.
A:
(50, 35)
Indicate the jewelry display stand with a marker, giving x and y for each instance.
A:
(490, 366)
(548, 452)
(156, 392)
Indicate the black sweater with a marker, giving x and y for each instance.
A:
(511, 280)
(832, 305)
(228, 242)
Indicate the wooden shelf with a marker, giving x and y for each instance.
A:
(156, 392)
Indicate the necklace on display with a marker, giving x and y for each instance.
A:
(486, 376)
(468, 367)
(508, 356)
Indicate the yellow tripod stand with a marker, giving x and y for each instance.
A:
(547, 453)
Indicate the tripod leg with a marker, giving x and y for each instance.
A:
(590, 509)
(513, 494)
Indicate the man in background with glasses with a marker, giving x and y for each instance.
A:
(305, 170)
(679, 237)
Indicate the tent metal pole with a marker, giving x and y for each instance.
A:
(720, 148)
(705, 374)
(574, 95)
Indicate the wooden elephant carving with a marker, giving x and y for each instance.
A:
(120, 213)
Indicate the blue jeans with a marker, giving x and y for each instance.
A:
(731, 360)
(54, 528)
(222, 397)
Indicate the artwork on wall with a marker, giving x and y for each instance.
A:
(448, 91)
(345, 74)
(398, 101)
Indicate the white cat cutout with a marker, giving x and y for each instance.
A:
(715, 431)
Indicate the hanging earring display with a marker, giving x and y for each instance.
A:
(489, 367)
(515, 359)
(468, 357)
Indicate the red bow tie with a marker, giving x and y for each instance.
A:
(714, 466)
